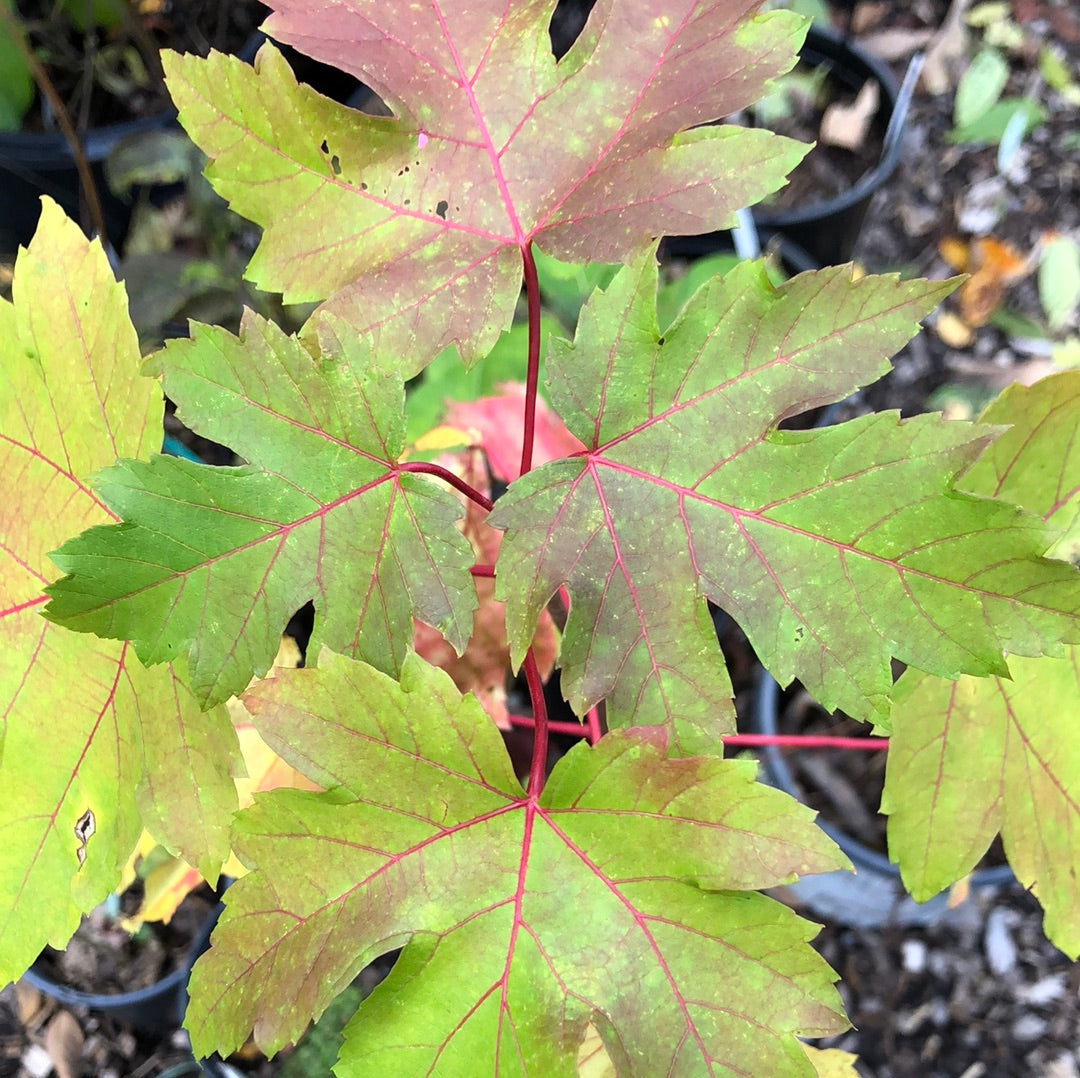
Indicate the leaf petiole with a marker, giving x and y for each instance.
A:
(427, 468)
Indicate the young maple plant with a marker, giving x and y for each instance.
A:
(612, 905)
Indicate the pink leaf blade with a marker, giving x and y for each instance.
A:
(496, 422)
(423, 217)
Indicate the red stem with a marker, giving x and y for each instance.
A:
(532, 376)
(809, 741)
(483, 570)
(538, 768)
(592, 721)
(572, 729)
(426, 468)
(590, 729)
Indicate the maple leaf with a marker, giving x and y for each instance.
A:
(970, 759)
(323, 505)
(835, 549)
(415, 225)
(77, 711)
(523, 919)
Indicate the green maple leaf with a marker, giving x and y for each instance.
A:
(970, 759)
(323, 513)
(77, 711)
(619, 897)
(415, 225)
(835, 549)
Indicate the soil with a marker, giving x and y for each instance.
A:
(827, 170)
(105, 959)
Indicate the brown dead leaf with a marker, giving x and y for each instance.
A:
(952, 330)
(955, 251)
(64, 1043)
(482, 669)
(993, 266)
(1064, 19)
(896, 43)
(847, 125)
(947, 52)
(28, 1003)
(867, 15)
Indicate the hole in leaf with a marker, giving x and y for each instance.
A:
(300, 627)
(323, 147)
(335, 165)
(567, 22)
(85, 826)
(441, 208)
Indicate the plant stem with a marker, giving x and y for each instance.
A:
(44, 84)
(782, 741)
(483, 570)
(532, 376)
(538, 767)
(809, 741)
(426, 468)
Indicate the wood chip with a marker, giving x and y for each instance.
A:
(64, 1043)
(28, 1003)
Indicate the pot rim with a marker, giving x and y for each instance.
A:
(777, 772)
(824, 45)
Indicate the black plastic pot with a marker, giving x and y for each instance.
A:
(875, 894)
(35, 164)
(158, 1008)
(827, 229)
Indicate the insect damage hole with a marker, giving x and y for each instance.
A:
(441, 208)
(84, 828)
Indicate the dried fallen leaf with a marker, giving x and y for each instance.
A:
(64, 1043)
(947, 51)
(847, 125)
(896, 43)
(959, 892)
(993, 266)
(955, 251)
(28, 1002)
(952, 330)
(483, 667)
